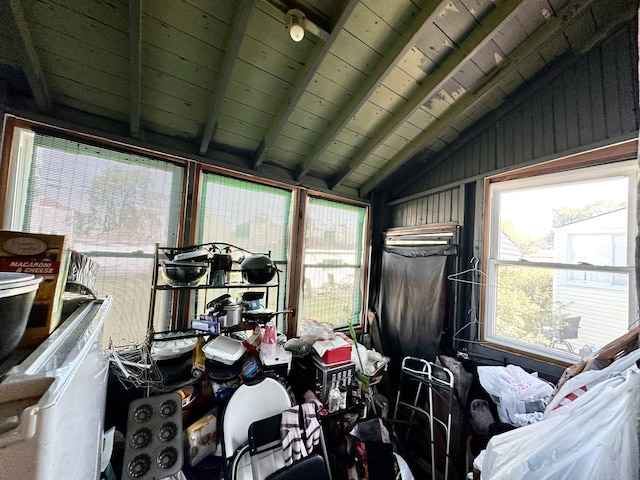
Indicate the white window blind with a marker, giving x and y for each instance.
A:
(113, 207)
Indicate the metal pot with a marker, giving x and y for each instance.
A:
(232, 315)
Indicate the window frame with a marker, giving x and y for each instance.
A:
(187, 230)
(15, 168)
(366, 254)
(618, 158)
(285, 284)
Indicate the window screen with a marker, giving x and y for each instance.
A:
(333, 262)
(112, 206)
(251, 216)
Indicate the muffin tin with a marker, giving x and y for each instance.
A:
(153, 446)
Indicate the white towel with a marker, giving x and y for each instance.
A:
(311, 426)
(293, 447)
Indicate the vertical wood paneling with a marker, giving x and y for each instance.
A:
(585, 132)
(415, 212)
(517, 156)
(491, 152)
(448, 214)
(475, 158)
(571, 107)
(527, 131)
(559, 114)
(500, 160)
(548, 123)
(538, 125)
(611, 92)
(626, 90)
(422, 217)
(456, 201)
(507, 140)
(597, 94)
(442, 207)
(468, 160)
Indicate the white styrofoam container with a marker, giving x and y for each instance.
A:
(224, 349)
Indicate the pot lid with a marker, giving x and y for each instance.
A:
(218, 301)
(196, 255)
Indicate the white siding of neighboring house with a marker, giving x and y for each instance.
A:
(604, 309)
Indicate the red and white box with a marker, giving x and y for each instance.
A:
(334, 350)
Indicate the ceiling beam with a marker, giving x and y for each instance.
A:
(27, 55)
(135, 61)
(359, 98)
(477, 93)
(239, 30)
(476, 40)
(299, 87)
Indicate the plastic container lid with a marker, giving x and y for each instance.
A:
(224, 349)
(14, 283)
(165, 349)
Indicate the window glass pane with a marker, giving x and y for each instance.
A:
(333, 259)
(536, 221)
(560, 272)
(532, 302)
(253, 217)
(113, 207)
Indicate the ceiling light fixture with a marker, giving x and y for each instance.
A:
(296, 20)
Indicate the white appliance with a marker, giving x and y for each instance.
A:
(52, 404)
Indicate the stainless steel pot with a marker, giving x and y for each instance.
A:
(232, 315)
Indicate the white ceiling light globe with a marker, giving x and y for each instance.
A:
(296, 32)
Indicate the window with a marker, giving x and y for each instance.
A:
(112, 206)
(333, 270)
(561, 248)
(115, 205)
(251, 216)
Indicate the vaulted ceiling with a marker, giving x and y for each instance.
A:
(374, 87)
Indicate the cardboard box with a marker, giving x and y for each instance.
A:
(45, 256)
(334, 350)
(202, 439)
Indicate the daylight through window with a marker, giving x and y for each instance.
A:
(561, 260)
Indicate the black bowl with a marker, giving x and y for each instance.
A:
(184, 274)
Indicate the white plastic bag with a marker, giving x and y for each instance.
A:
(519, 396)
(581, 383)
(595, 437)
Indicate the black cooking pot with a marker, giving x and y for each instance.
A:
(258, 268)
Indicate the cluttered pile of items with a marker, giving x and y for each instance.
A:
(586, 426)
(202, 371)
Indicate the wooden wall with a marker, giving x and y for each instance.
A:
(581, 102)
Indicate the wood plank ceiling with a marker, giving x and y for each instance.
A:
(373, 86)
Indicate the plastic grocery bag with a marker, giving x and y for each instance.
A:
(595, 437)
(520, 396)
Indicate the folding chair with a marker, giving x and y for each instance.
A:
(267, 458)
(249, 403)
